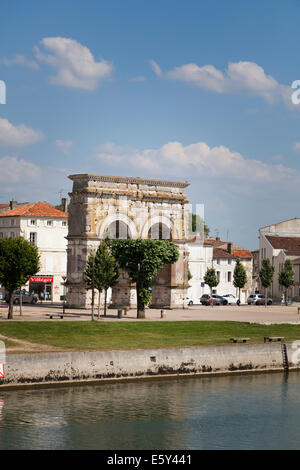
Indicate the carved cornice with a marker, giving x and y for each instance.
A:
(128, 180)
(132, 196)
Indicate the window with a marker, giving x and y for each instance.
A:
(49, 223)
(229, 260)
(229, 276)
(218, 276)
(218, 261)
(64, 223)
(32, 237)
(1, 234)
(12, 222)
(32, 222)
(12, 235)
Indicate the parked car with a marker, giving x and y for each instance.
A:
(258, 299)
(206, 299)
(220, 300)
(214, 299)
(189, 301)
(27, 297)
(231, 299)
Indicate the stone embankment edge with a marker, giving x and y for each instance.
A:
(102, 367)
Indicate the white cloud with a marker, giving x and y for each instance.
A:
(74, 63)
(14, 171)
(297, 147)
(139, 78)
(239, 77)
(64, 145)
(156, 68)
(17, 136)
(195, 159)
(19, 59)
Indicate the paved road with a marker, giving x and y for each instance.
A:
(244, 313)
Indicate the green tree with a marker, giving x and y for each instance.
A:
(286, 278)
(239, 276)
(197, 224)
(101, 273)
(210, 278)
(89, 277)
(19, 260)
(266, 274)
(142, 258)
(106, 270)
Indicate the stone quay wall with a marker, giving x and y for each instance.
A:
(64, 367)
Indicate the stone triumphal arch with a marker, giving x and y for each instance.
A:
(121, 207)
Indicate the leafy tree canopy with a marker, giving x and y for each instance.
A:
(101, 270)
(239, 275)
(142, 258)
(286, 276)
(210, 278)
(19, 260)
(266, 273)
(197, 224)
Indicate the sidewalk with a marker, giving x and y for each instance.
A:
(244, 313)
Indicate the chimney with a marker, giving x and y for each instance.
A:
(64, 205)
(229, 248)
(12, 204)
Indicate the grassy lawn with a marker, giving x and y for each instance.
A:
(88, 336)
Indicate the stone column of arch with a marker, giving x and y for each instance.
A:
(102, 205)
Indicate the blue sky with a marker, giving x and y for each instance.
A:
(187, 90)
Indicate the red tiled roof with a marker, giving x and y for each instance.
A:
(214, 242)
(290, 244)
(220, 253)
(35, 209)
(242, 254)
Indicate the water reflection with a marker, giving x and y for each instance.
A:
(235, 412)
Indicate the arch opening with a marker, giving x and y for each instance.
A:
(117, 230)
(160, 231)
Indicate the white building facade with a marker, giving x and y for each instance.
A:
(46, 227)
(279, 242)
(212, 253)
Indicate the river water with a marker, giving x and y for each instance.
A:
(232, 412)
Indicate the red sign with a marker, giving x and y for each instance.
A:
(46, 279)
(2, 374)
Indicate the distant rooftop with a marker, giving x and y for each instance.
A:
(35, 209)
(290, 244)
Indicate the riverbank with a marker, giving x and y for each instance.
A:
(50, 369)
(60, 336)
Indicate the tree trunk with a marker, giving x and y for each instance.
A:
(11, 306)
(21, 301)
(140, 305)
(105, 301)
(266, 295)
(99, 304)
(93, 302)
